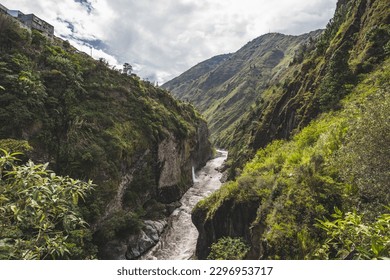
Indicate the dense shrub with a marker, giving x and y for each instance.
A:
(228, 248)
(349, 237)
(364, 159)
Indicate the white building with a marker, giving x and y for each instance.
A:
(32, 21)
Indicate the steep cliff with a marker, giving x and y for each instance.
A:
(318, 146)
(232, 218)
(89, 121)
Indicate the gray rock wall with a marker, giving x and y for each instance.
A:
(173, 160)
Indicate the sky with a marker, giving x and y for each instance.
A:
(163, 38)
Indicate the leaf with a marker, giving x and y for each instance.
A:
(75, 198)
(376, 248)
(14, 209)
(3, 198)
(337, 213)
(42, 218)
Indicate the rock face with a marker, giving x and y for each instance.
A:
(173, 161)
(202, 149)
(230, 219)
(135, 245)
(147, 238)
(177, 160)
(176, 165)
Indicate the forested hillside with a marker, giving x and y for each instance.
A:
(317, 182)
(85, 120)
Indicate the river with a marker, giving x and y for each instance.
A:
(178, 241)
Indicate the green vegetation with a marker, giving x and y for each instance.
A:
(228, 248)
(88, 121)
(118, 225)
(363, 160)
(321, 175)
(348, 237)
(310, 153)
(330, 68)
(338, 161)
(225, 87)
(40, 217)
(15, 146)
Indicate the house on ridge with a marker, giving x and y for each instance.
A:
(30, 20)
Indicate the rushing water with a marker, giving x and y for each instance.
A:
(178, 241)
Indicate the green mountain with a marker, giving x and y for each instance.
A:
(181, 85)
(305, 119)
(87, 121)
(309, 161)
(224, 87)
(352, 44)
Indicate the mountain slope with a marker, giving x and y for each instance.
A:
(228, 89)
(319, 149)
(134, 141)
(352, 44)
(179, 86)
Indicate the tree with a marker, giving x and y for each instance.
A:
(337, 81)
(39, 211)
(127, 68)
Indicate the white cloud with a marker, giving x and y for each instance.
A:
(163, 38)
